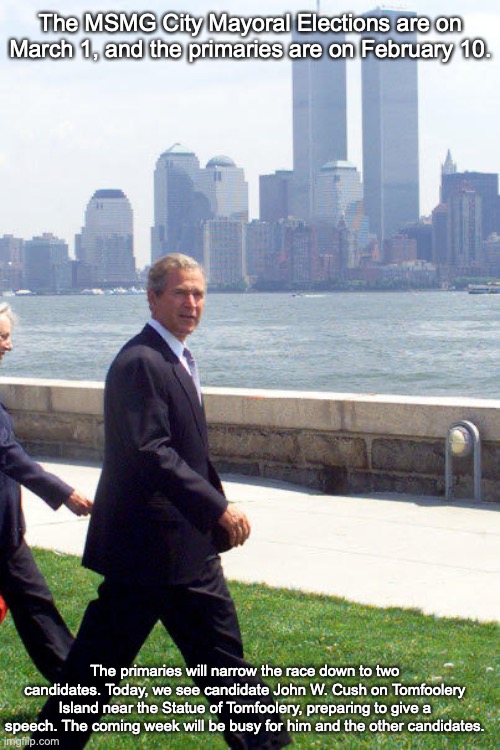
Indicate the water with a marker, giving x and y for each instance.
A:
(423, 343)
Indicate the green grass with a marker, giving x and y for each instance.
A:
(288, 628)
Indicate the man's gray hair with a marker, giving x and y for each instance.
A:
(5, 309)
(158, 273)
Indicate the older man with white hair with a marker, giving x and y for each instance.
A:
(22, 586)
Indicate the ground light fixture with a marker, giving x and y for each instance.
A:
(463, 439)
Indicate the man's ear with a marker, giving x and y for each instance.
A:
(151, 300)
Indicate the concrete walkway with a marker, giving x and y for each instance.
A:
(384, 550)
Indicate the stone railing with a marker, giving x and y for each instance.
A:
(338, 443)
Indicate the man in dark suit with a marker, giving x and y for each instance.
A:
(160, 518)
(22, 586)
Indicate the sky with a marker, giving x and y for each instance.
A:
(71, 127)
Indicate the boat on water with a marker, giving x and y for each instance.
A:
(115, 291)
(492, 287)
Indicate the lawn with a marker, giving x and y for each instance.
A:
(288, 629)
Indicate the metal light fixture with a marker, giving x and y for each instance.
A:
(462, 440)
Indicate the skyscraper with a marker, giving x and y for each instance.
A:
(46, 265)
(275, 195)
(263, 251)
(339, 197)
(440, 234)
(224, 184)
(224, 252)
(449, 166)
(465, 228)
(106, 242)
(11, 262)
(338, 185)
(390, 134)
(300, 253)
(319, 118)
(484, 184)
(179, 207)
(491, 255)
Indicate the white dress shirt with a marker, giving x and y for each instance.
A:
(174, 343)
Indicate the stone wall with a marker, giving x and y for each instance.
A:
(338, 443)
(350, 443)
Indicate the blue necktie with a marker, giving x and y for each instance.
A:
(193, 370)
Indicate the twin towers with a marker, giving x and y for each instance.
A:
(389, 92)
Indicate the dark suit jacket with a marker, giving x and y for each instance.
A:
(159, 497)
(16, 467)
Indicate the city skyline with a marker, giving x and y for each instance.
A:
(74, 127)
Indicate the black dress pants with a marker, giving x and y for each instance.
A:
(38, 622)
(201, 619)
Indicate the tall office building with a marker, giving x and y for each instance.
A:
(421, 232)
(11, 249)
(46, 267)
(275, 195)
(338, 184)
(300, 253)
(282, 254)
(390, 134)
(484, 184)
(319, 118)
(491, 255)
(179, 207)
(400, 249)
(263, 251)
(106, 242)
(224, 185)
(11, 262)
(449, 166)
(465, 229)
(440, 234)
(339, 197)
(224, 252)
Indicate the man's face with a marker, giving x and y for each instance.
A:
(5, 339)
(180, 306)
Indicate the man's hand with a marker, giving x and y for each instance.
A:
(79, 504)
(237, 525)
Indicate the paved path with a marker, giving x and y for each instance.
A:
(385, 550)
